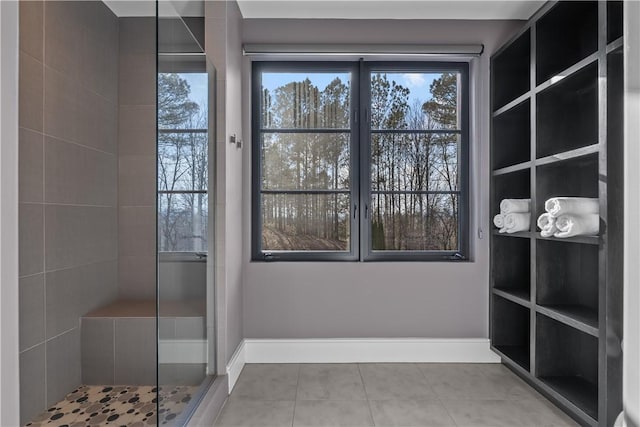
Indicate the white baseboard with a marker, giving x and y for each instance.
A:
(182, 351)
(235, 365)
(360, 350)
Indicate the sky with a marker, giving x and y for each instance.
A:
(417, 83)
(199, 84)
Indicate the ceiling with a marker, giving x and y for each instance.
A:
(343, 9)
(389, 9)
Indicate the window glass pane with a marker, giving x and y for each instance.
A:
(414, 222)
(182, 161)
(294, 161)
(415, 100)
(182, 100)
(182, 222)
(414, 162)
(305, 222)
(305, 100)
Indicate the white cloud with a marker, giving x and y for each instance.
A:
(414, 79)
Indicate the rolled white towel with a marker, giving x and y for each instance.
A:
(547, 225)
(557, 206)
(498, 221)
(508, 206)
(577, 225)
(515, 222)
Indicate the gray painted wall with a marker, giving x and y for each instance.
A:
(67, 188)
(223, 35)
(137, 159)
(317, 300)
(631, 342)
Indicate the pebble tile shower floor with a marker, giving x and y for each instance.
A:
(130, 406)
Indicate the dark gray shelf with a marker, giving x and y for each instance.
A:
(557, 303)
(510, 67)
(511, 136)
(510, 332)
(521, 234)
(567, 33)
(567, 113)
(587, 240)
(568, 155)
(576, 177)
(582, 318)
(614, 20)
(518, 354)
(577, 390)
(517, 294)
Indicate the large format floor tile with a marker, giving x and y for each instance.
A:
(267, 382)
(475, 382)
(351, 413)
(395, 381)
(410, 413)
(505, 413)
(386, 395)
(330, 382)
(253, 413)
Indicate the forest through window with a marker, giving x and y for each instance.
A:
(346, 166)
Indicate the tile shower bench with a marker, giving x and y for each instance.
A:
(119, 343)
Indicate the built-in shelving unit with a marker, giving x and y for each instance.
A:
(557, 108)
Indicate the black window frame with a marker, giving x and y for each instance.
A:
(360, 161)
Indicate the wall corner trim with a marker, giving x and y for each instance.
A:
(360, 350)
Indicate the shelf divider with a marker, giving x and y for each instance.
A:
(581, 318)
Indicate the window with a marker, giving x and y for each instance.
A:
(182, 162)
(360, 161)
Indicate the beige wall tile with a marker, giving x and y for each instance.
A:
(31, 243)
(79, 235)
(31, 166)
(78, 175)
(30, 93)
(31, 18)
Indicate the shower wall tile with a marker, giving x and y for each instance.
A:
(73, 292)
(61, 109)
(32, 323)
(97, 341)
(31, 17)
(138, 35)
(63, 33)
(137, 176)
(64, 299)
(67, 162)
(136, 88)
(79, 235)
(137, 277)
(181, 373)
(30, 166)
(190, 328)
(135, 351)
(137, 230)
(68, 92)
(137, 130)
(99, 52)
(63, 365)
(32, 383)
(30, 87)
(31, 245)
(98, 121)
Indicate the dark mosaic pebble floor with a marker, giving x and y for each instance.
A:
(130, 406)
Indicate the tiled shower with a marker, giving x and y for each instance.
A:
(88, 252)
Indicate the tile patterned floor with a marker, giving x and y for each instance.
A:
(407, 395)
(130, 406)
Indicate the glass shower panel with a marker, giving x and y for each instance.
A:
(184, 233)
